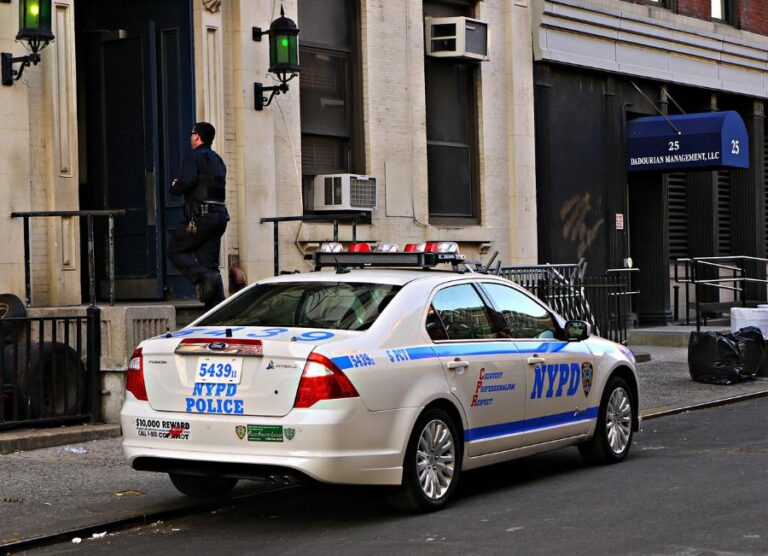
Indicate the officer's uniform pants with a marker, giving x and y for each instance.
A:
(196, 255)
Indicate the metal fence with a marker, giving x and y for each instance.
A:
(603, 301)
(49, 370)
(734, 274)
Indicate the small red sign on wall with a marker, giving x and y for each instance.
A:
(619, 221)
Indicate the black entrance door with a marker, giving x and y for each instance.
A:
(136, 60)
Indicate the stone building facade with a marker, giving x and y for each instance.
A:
(104, 120)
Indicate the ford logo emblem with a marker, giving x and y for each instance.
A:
(217, 346)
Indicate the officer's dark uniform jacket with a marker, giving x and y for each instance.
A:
(195, 245)
(202, 182)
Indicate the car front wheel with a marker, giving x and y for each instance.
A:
(613, 433)
(198, 486)
(432, 464)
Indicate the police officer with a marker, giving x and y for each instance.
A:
(196, 244)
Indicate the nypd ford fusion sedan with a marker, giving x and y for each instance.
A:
(364, 373)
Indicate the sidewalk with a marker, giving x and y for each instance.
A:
(63, 488)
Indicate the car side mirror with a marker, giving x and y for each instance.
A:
(577, 330)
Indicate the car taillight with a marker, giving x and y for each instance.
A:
(134, 381)
(322, 380)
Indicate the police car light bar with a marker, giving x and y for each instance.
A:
(420, 255)
(382, 259)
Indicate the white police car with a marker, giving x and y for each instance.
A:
(378, 376)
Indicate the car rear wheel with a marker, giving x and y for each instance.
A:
(613, 435)
(432, 464)
(10, 307)
(199, 486)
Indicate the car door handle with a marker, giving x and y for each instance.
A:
(457, 364)
(535, 360)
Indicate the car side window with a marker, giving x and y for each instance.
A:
(525, 317)
(462, 313)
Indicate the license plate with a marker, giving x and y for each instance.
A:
(219, 370)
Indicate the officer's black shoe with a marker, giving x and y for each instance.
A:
(212, 290)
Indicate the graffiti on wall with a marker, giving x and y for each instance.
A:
(578, 227)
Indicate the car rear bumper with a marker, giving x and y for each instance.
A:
(337, 441)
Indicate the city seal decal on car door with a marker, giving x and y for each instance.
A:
(586, 377)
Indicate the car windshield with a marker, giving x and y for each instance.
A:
(335, 305)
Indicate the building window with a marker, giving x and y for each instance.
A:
(452, 144)
(724, 10)
(331, 115)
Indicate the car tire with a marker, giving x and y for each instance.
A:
(10, 307)
(33, 378)
(613, 432)
(429, 484)
(201, 486)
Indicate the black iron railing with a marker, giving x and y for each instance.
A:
(89, 215)
(352, 218)
(729, 274)
(50, 370)
(603, 301)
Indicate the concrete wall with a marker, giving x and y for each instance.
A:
(15, 164)
(39, 126)
(651, 42)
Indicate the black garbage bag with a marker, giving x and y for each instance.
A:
(717, 358)
(752, 348)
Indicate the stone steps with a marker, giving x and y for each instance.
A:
(668, 336)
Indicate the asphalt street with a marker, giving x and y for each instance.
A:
(695, 483)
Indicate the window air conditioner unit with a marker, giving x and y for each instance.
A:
(337, 192)
(456, 37)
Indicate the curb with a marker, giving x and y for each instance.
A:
(27, 439)
(656, 412)
(140, 518)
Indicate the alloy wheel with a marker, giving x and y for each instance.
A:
(618, 417)
(435, 459)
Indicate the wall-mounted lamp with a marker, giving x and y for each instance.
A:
(283, 57)
(35, 29)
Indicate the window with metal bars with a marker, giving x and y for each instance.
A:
(765, 185)
(678, 216)
(724, 215)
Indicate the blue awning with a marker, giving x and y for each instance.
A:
(705, 141)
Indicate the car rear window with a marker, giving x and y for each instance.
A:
(334, 305)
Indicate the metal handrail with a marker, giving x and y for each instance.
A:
(692, 269)
(334, 217)
(89, 215)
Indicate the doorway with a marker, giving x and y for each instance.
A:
(136, 107)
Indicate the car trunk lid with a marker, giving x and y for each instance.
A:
(224, 375)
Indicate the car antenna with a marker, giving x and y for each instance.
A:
(340, 269)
